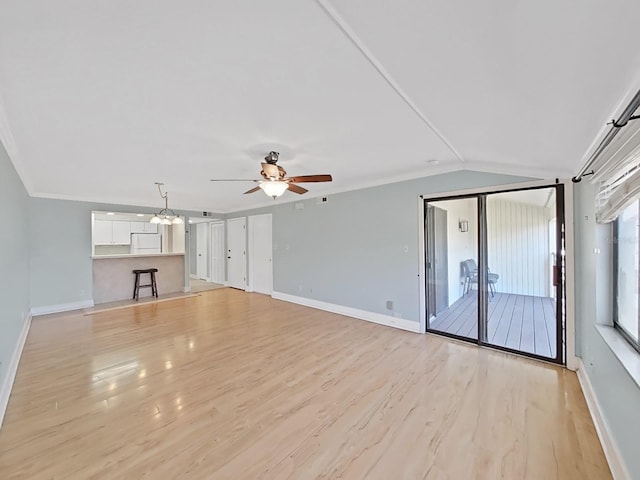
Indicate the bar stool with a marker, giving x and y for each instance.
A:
(137, 286)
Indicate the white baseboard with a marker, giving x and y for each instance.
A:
(378, 318)
(62, 307)
(186, 289)
(12, 369)
(616, 464)
(191, 275)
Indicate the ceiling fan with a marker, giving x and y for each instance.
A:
(275, 181)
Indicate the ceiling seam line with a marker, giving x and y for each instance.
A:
(342, 24)
(8, 142)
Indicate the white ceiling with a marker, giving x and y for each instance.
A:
(100, 99)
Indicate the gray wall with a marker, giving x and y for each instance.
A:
(350, 250)
(60, 243)
(14, 260)
(617, 393)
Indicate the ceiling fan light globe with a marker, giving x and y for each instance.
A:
(165, 221)
(177, 221)
(155, 219)
(274, 188)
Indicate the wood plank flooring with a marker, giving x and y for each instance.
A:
(520, 322)
(230, 385)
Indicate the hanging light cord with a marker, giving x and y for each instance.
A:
(165, 196)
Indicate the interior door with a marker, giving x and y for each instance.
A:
(260, 254)
(217, 252)
(236, 253)
(202, 261)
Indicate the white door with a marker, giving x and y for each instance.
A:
(260, 254)
(236, 253)
(202, 240)
(217, 252)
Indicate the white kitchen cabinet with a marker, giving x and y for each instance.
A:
(121, 233)
(106, 232)
(102, 232)
(137, 227)
(143, 227)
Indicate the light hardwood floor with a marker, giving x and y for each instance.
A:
(229, 385)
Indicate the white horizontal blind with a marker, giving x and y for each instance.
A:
(618, 177)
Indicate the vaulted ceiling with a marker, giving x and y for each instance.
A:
(99, 99)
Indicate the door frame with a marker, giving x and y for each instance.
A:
(570, 359)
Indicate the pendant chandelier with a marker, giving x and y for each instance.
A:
(166, 216)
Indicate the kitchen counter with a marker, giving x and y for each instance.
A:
(133, 255)
(113, 278)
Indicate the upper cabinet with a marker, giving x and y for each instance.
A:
(107, 232)
(143, 227)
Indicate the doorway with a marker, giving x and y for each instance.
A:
(504, 256)
(436, 261)
(206, 253)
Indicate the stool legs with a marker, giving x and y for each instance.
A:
(154, 287)
(137, 286)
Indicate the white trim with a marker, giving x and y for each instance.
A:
(611, 452)
(378, 318)
(429, 171)
(187, 289)
(570, 317)
(422, 274)
(12, 368)
(193, 277)
(62, 307)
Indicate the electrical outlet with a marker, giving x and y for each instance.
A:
(322, 200)
(389, 305)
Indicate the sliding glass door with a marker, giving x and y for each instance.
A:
(494, 270)
(451, 267)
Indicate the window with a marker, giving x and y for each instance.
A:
(626, 274)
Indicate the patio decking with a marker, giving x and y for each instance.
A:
(520, 322)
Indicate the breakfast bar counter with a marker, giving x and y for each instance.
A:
(113, 277)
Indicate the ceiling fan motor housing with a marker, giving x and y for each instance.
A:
(272, 158)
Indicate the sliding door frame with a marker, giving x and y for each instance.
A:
(563, 268)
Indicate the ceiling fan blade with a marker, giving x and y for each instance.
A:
(270, 171)
(254, 189)
(311, 178)
(233, 180)
(296, 188)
